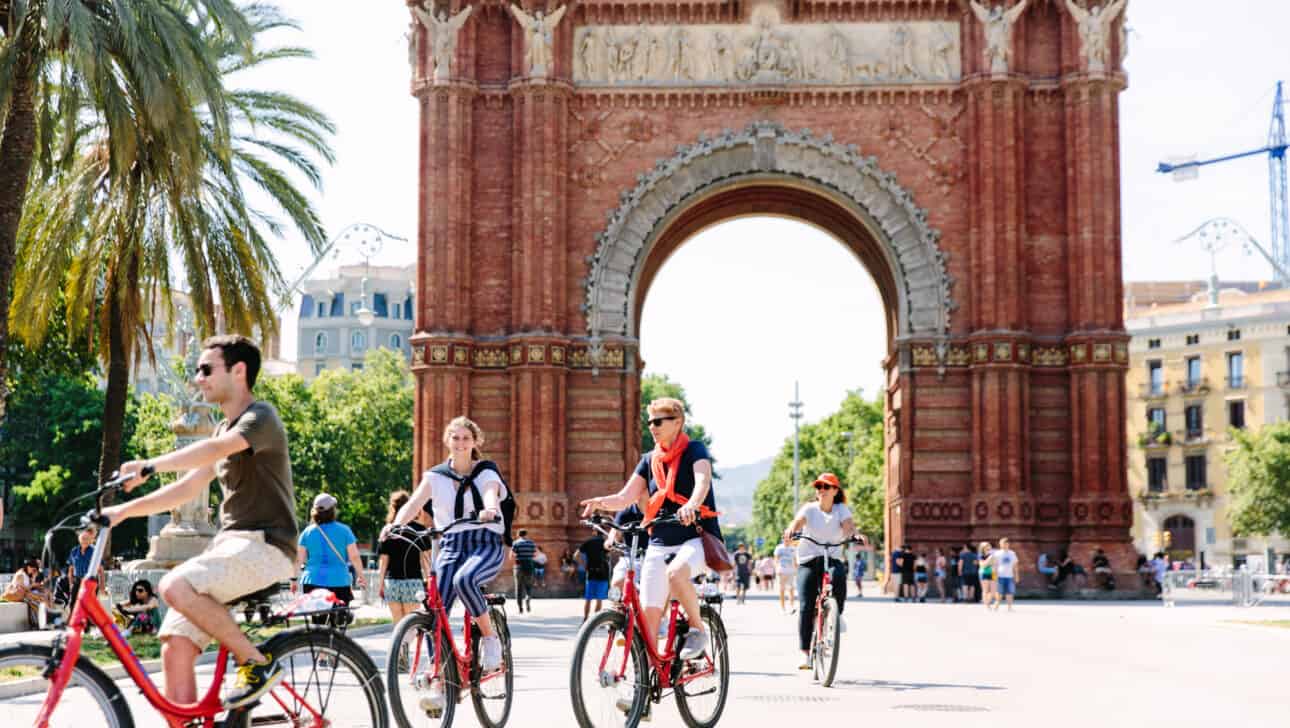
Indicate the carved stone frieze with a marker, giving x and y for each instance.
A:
(759, 149)
(767, 51)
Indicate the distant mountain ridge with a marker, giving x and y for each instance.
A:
(735, 489)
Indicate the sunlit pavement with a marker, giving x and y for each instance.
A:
(1046, 664)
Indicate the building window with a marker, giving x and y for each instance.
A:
(398, 311)
(396, 341)
(1233, 334)
(1156, 419)
(1195, 422)
(1156, 376)
(1236, 414)
(322, 309)
(1153, 343)
(1236, 370)
(1193, 373)
(319, 367)
(356, 366)
(1156, 469)
(353, 308)
(307, 306)
(358, 341)
(1193, 339)
(320, 343)
(1196, 479)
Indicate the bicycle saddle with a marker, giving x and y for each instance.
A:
(495, 599)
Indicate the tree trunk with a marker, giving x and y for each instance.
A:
(118, 383)
(17, 150)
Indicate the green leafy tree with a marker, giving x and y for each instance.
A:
(848, 443)
(1259, 480)
(350, 435)
(136, 69)
(108, 237)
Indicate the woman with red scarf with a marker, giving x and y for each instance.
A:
(678, 477)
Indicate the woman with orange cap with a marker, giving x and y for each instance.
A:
(828, 520)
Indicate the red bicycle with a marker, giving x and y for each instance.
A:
(617, 671)
(419, 662)
(827, 636)
(344, 689)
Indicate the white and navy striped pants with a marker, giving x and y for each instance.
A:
(467, 561)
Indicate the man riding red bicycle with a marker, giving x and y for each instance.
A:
(257, 534)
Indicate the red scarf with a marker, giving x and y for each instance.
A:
(664, 464)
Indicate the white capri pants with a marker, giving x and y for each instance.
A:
(653, 576)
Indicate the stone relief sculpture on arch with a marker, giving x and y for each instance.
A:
(767, 51)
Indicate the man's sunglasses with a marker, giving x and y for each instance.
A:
(205, 369)
(658, 421)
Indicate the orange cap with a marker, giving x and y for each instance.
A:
(828, 478)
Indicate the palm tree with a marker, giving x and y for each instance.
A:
(138, 66)
(116, 245)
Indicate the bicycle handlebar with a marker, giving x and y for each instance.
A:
(825, 545)
(599, 522)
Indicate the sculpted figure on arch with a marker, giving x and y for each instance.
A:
(1094, 29)
(998, 32)
(443, 41)
(539, 37)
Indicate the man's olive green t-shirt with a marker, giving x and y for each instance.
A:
(256, 482)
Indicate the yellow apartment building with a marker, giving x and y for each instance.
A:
(1199, 367)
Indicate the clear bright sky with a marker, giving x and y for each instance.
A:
(784, 301)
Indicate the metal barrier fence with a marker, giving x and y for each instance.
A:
(1221, 587)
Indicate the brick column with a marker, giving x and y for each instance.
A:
(1000, 377)
(1101, 512)
(444, 235)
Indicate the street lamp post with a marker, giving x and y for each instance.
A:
(795, 412)
(369, 246)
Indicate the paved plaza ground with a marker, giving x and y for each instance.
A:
(1046, 664)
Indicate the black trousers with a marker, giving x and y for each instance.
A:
(524, 588)
(972, 588)
(810, 575)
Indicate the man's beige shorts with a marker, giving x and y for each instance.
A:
(236, 563)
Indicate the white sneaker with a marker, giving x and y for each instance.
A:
(432, 702)
(490, 653)
(696, 643)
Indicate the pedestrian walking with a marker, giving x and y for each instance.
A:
(743, 572)
(952, 580)
(595, 563)
(328, 557)
(786, 571)
(78, 562)
(403, 559)
(970, 574)
(1007, 571)
(908, 582)
(984, 558)
(938, 571)
(524, 552)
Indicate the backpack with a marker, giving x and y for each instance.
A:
(507, 505)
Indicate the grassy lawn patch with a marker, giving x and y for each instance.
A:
(1282, 623)
(10, 674)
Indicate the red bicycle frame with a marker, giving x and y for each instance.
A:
(442, 630)
(635, 617)
(88, 609)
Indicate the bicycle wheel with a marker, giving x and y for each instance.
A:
(327, 679)
(492, 694)
(409, 670)
(701, 700)
(824, 650)
(608, 679)
(90, 698)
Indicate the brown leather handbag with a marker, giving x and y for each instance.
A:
(714, 552)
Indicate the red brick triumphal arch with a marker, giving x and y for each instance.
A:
(968, 157)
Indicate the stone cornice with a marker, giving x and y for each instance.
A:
(1017, 349)
(529, 350)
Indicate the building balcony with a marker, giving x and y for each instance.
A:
(1283, 380)
(1238, 382)
(1195, 387)
(1155, 439)
(1153, 391)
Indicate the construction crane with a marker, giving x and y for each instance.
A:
(1276, 151)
